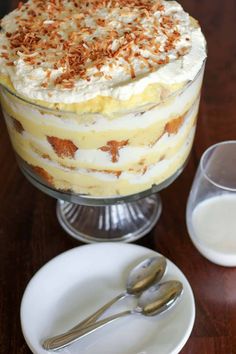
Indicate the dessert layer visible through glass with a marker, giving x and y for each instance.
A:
(101, 156)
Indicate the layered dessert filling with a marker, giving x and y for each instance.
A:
(101, 97)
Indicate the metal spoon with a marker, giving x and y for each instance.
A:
(153, 301)
(139, 279)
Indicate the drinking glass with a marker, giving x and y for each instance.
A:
(211, 207)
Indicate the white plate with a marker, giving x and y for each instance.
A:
(77, 282)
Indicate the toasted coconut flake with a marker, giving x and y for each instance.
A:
(60, 35)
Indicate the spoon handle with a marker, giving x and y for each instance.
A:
(63, 340)
(93, 318)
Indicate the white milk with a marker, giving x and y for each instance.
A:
(214, 229)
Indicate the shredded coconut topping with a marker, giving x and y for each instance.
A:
(65, 41)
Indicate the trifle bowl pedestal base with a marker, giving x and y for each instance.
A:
(120, 222)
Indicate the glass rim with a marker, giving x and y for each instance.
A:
(57, 110)
(203, 169)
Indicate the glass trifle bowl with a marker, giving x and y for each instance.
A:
(105, 156)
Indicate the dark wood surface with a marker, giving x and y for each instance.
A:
(30, 234)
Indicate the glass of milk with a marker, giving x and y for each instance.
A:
(211, 208)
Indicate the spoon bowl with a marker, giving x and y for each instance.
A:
(159, 297)
(144, 274)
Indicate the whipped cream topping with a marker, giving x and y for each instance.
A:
(71, 51)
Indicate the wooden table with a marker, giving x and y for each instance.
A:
(30, 234)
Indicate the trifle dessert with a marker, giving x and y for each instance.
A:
(101, 96)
